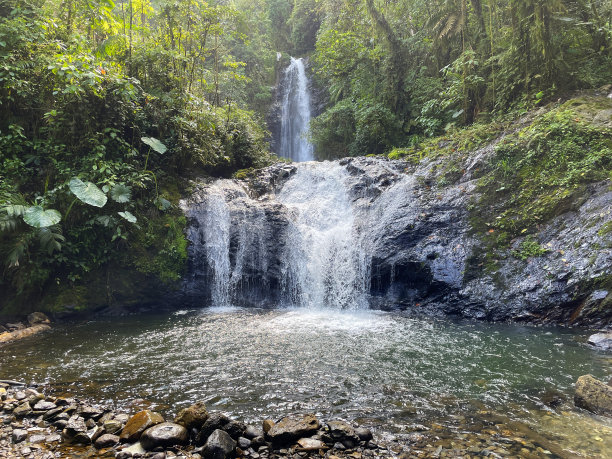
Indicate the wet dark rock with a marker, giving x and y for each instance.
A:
(219, 446)
(252, 432)
(164, 435)
(601, 341)
(593, 395)
(92, 412)
(138, 423)
(425, 255)
(235, 429)
(292, 428)
(244, 443)
(192, 417)
(75, 427)
(214, 422)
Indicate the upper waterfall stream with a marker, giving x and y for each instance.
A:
(295, 114)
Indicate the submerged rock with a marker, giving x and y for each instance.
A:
(292, 428)
(593, 395)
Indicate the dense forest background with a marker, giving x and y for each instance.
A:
(108, 107)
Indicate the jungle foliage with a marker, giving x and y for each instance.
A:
(104, 109)
(400, 71)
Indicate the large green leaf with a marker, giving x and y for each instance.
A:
(128, 216)
(88, 192)
(38, 217)
(121, 193)
(155, 144)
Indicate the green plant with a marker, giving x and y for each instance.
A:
(529, 248)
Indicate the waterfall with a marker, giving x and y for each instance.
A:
(300, 247)
(295, 114)
(323, 265)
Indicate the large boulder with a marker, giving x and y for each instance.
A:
(192, 417)
(219, 446)
(601, 340)
(138, 423)
(293, 428)
(593, 395)
(164, 435)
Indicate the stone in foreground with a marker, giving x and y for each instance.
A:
(219, 446)
(106, 440)
(138, 423)
(164, 434)
(292, 428)
(593, 395)
(193, 417)
(601, 341)
(310, 444)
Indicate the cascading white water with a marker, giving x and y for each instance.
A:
(295, 114)
(323, 264)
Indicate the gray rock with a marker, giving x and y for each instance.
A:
(19, 435)
(252, 432)
(601, 341)
(164, 435)
(363, 434)
(192, 417)
(91, 412)
(106, 440)
(37, 438)
(310, 444)
(54, 438)
(23, 410)
(219, 446)
(244, 443)
(593, 395)
(292, 428)
(75, 431)
(340, 430)
(43, 405)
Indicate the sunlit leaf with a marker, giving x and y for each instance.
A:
(155, 144)
(88, 192)
(38, 217)
(121, 193)
(128, 216)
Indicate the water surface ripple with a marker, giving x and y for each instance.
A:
(254, 364)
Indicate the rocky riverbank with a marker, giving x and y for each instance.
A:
(38, 426)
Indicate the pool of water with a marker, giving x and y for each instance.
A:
(384, 369)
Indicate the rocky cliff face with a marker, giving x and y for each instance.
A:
(417, 247)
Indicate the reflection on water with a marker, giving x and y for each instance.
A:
(362, 364)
